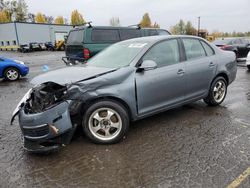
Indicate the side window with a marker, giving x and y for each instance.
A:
(7, 43)
(162, 32)
(237, 41)
(193, 48)
(129, 33)
(105, 35)
(164, 53)
(207, 48)
(152, 32)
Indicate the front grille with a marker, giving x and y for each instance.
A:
(36, 132)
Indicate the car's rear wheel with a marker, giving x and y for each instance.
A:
(248, 66)
(217, 92)
(11, 74)
(105, 122)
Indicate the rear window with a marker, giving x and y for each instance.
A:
(129, 33)
(152, 32)
(162, 32)
(75, 36)
(105, 35)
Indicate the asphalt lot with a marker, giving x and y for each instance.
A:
(191, 146)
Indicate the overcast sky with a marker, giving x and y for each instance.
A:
(222, 15)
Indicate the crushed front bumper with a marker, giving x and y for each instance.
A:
(48, 130)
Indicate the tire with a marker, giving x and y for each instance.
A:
(217, 92)
(11, 74)
(248, 66)
(105, 122)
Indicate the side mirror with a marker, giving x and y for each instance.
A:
(65, 38)
(147, 65)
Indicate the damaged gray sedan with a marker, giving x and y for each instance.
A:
(127, 81)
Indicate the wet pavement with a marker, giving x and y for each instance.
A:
(191, 146)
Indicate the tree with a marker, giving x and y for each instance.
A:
(156, 25)
(59, 20)
(189, 29)
(31, 18)
(40, 18)
(115, 21)
(49, 19)
(21, 13)
(11, 8)
(182, 28)
(146, 21)
(76, 18)
(4, 17)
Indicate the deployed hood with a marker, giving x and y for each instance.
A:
(70, 74)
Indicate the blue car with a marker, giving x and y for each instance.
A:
(12, 69)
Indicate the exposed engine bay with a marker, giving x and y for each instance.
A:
(44, 97)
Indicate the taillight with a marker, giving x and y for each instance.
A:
(86, 53)
(224, 47)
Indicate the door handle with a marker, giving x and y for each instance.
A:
(181, 71)
(211, 64)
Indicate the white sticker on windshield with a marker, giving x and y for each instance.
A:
(137, 45)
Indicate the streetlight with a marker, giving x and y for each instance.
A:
(199, 22)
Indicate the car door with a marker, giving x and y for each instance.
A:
(164, 86)
(200, 67)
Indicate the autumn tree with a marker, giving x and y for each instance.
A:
(40, 18)
(10, 8)
(4, 17)
(115, 21)
(76, 18)
(146, 21)
(59, 20)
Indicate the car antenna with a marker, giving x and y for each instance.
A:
(137, 25)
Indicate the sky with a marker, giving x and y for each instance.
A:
(219, 15)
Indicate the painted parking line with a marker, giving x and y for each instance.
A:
(239, 179)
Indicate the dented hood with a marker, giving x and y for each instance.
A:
(70, 74)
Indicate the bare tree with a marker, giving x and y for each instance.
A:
(115, 21)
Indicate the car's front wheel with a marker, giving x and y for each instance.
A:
(105, 122)
(217, 92)
(11, 74)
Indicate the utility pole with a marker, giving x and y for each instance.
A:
(199, 24)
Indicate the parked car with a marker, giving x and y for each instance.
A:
(239, 46)
(50, 46)
(12, 69)
(42, 46)
(248, 61)
(85, 42)
(24, 48)
(34, 46)
(127, 81)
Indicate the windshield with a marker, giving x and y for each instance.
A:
(117, 55)
(223, 42)
(75, 36)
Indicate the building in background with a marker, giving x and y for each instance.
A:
(14, 34)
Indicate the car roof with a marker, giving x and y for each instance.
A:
(154, 39)
(113, 27)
